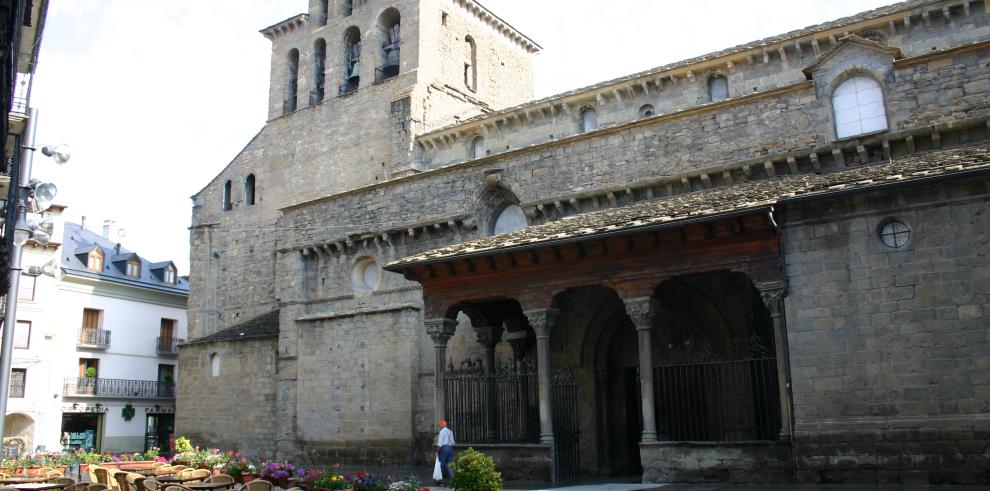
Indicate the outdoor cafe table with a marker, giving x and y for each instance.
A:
(39, 486)
(22, 480)
(176, 479)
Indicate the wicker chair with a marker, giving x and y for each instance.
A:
(97, 487)
(195, 475)
(157, 465)
(258, 485)
(150, 484)
(62, 480)
(102, 475)
(120, 478)
(177, 468)
(223, 478)
(42, 471)
(79, 486)
(176, 487)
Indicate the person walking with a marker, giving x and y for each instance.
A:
(445, 449)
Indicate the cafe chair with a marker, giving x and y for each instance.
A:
(258, 485)
(222, 478)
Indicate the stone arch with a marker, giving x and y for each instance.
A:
(492, 201)
(470, 63)
(387, 38)
(352, 59)
(716, 86)
(292, 81)
(319, 71)
(19, 426)
(855, 76)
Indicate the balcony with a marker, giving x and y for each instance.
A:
(168, 346)
(93, 339)
(349, 86)
(115, 387)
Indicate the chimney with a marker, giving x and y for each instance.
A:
(83, 224)
(106, 228)
(116, 248)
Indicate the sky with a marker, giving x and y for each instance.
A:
(156, 97)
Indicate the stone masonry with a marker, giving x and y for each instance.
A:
(886, 348)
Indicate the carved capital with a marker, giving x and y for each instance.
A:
(774, 300)
(489, 336)
(441, 330)
(520, 342)
(542, 320)
(642, 311)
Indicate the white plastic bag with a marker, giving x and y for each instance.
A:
(437, 473)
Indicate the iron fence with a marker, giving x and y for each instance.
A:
(113, 387)
(93, 338)
(718, 401)
(349, 86)
(497, 407)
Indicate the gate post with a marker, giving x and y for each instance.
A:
(773, 297)
(440, 331)
(542, 321)
(489, 336)
(642, 312)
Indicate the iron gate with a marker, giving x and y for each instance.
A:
(497, 407)
(566, 432)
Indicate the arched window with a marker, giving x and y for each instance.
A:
(646, 111)
(226, 204)
(389, 27)
(589, 119)
(292, 84)
(347, 7)
(215, 365)
(94, 260)
(352, 55)
(858, 107)
(718, 88)
(510, 219)
(249, 190)
(319, 67)
(470, 63)
(478, 148)
(322, 11)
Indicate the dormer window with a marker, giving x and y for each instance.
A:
(133, 268)
(168, 275)
(94, 260)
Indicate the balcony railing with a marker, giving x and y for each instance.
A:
(19, 105)
(349, 86)
(114, 387)
(93, 338)
(386, 72)
(168, 346)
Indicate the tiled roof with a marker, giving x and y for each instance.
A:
(263, 326)
(742, 48)
(80, 241)
(719, 201)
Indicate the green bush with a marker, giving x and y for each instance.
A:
(475, 471)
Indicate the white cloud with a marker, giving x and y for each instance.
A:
(156, 97)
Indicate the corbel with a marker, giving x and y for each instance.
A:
(886, 150)
(646, 87)
(617, 94)
(469, 224)
(766, 56)
(909, 141)
(815, 47)
(730, 67)
(936, 139)
(813, 156)
(559, 206)
(686, 183)
(792, 165)
(747, 171)
(706, 181)
(926, 18)
(864, 156)
(727, 176)
(783, 54)
(907, 21)
(600, 99)
(771, 170)
(947, 14)
(612, 199)
(840, 160)
(690, 76)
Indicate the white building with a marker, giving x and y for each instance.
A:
(96, 345)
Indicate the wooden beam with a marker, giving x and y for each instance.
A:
(533, 256)
(630, 244)
(556, 253)
(433, 274)
(491, 263)
(470, 265)
(450, 269)
(580, 248)
(512, 259)
(604, 246)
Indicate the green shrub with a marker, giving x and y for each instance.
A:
(475, 471)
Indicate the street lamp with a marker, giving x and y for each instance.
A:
(36, 224)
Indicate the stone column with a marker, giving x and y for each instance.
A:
(642, 312)
(440, 331)
(774, 300)
(489, 336)
(542, 321)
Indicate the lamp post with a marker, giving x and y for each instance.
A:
(22, 231)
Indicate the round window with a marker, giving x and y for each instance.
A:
(895, 234)
(365, 275)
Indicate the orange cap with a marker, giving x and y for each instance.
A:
(443, 423)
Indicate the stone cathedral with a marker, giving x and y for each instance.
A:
(765, 264)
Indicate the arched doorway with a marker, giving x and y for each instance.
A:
(18, 432)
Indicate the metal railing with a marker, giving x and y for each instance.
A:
(349, 86)
(114, 387)
(315, 96)
(93, 338)
(19, 105)
(386, 72)
(718, 401)
(502, 407)
(167, 346)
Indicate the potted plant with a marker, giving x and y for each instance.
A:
(363, 481)
(330, 481)
(242, 470)
(279, 473)
(475, 471)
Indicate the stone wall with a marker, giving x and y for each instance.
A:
(890, 348)
(234, 410)
(734, 462)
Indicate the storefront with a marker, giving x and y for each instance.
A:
(82, 426)
(159, 428)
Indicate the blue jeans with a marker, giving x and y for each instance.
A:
(446, 455)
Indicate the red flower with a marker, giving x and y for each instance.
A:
(359, 474)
